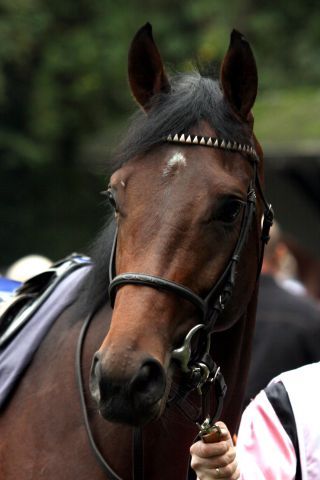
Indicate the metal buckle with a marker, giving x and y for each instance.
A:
(200, 372)
(183, 354)
(207, 427)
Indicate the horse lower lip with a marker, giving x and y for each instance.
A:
(127, 415)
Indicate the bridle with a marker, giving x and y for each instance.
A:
(196, 363)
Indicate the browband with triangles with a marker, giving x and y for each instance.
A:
(213, 142)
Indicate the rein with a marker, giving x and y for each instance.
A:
(137, 449)
(200, 367)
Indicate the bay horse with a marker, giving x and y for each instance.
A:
(176, 267)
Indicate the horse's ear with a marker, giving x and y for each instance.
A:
(145, 68)
(238, 76)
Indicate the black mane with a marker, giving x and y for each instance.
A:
(193, 98)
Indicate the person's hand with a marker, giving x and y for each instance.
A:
(216, 459)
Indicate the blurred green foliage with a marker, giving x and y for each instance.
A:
(64, 95)
(289, 119)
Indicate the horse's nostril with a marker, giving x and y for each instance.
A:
(148, 385)
(142, 378)
(95, 366)
(95, 376)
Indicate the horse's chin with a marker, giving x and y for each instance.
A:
(117, 411)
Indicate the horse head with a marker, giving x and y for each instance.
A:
(180, 210)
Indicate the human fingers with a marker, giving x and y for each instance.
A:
(217, 457)
(229, 472)
(206, 456)
(214, 444)
(210, 450)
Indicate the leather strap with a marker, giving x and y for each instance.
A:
(104, 465)
(137, 454)
(158, 283)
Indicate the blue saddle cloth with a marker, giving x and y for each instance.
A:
(7, 288)
(17, 351)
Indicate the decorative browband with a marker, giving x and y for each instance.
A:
(214, 143)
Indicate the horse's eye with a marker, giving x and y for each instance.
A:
(230, 211)
(111, 198)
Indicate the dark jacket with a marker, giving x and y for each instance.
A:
(287, 334)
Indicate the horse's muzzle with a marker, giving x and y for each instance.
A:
(133, 398)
